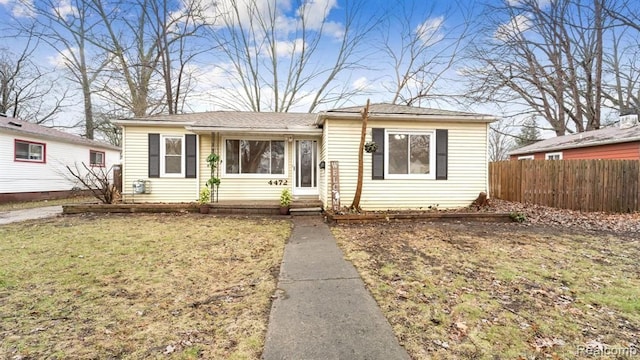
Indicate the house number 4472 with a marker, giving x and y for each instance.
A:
(278, 182)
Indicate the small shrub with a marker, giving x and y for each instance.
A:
(518, 217)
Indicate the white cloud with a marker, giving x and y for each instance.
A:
(539, 3)
(429, 31)
(64, 9)
(362, 83)
(20, 8)
(288, 48)
(517, 25)
(61, 59)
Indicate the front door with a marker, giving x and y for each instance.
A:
(305, 165)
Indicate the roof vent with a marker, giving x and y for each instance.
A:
(15, 124)
(628, 121)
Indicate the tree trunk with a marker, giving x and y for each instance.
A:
(355, 205)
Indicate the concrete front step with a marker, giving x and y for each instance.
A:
(305, 211)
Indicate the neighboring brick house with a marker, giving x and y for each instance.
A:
(621, 142)
(33, 160)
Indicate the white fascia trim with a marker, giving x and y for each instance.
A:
(549, 154)
(205, 129)
(448, 118)
(159, 123)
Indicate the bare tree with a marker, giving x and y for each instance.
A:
(355, 205)
(622, 69)
(500, 140)
(150, 50)
(175, 32)
(623, 60)
(547, 59)
(97, 180)
(421, 56)
(28, 91)
(66, 27)
(277, 61)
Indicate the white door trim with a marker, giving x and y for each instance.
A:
(297, 190)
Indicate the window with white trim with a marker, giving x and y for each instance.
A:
(96, 158)
(255, 157)
(409, 154)
(553, 156)
(171, 156)
(526, 157)
(29, 151)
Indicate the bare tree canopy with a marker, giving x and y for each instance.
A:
(273, 61)
(545, 57)
(422, 56)
(28, 90)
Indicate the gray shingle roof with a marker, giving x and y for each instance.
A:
(240, 119)
(39, 131)
(392, 109)
(610, 135)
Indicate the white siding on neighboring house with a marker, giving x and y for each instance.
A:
(467, 167)
(51, 175)
(135, 161)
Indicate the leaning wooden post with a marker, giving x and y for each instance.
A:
(355, 206)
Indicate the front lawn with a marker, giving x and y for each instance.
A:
(501, 291)
(134, 287)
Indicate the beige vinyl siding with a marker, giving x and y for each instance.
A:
(323, 174)
(135, 167)
(467, 162)
(245, 187)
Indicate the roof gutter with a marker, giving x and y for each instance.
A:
(448, 118)
(291, 131)
(566, 147)
(160, 123)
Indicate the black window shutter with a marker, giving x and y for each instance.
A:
(377, 158)
(191, 161)
(442, 153)
(154, 155)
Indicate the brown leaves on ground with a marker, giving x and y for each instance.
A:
(593, 221)
(499, 291)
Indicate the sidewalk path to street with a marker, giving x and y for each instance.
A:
(322, 309)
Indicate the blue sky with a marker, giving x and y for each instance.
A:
(440, 21)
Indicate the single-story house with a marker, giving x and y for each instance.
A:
(425, 157)
(33, 160)
(621, 142)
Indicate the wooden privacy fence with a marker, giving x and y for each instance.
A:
(585, 185)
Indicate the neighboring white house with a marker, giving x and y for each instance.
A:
(33, 160)
(425, 157)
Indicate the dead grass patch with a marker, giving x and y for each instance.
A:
(500, 291)
(144, 286)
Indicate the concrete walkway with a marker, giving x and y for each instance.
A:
(8, 217)
(323, 310)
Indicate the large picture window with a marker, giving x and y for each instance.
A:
(410, 154)
(254, 157)
(30, 151)
(172, 149)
